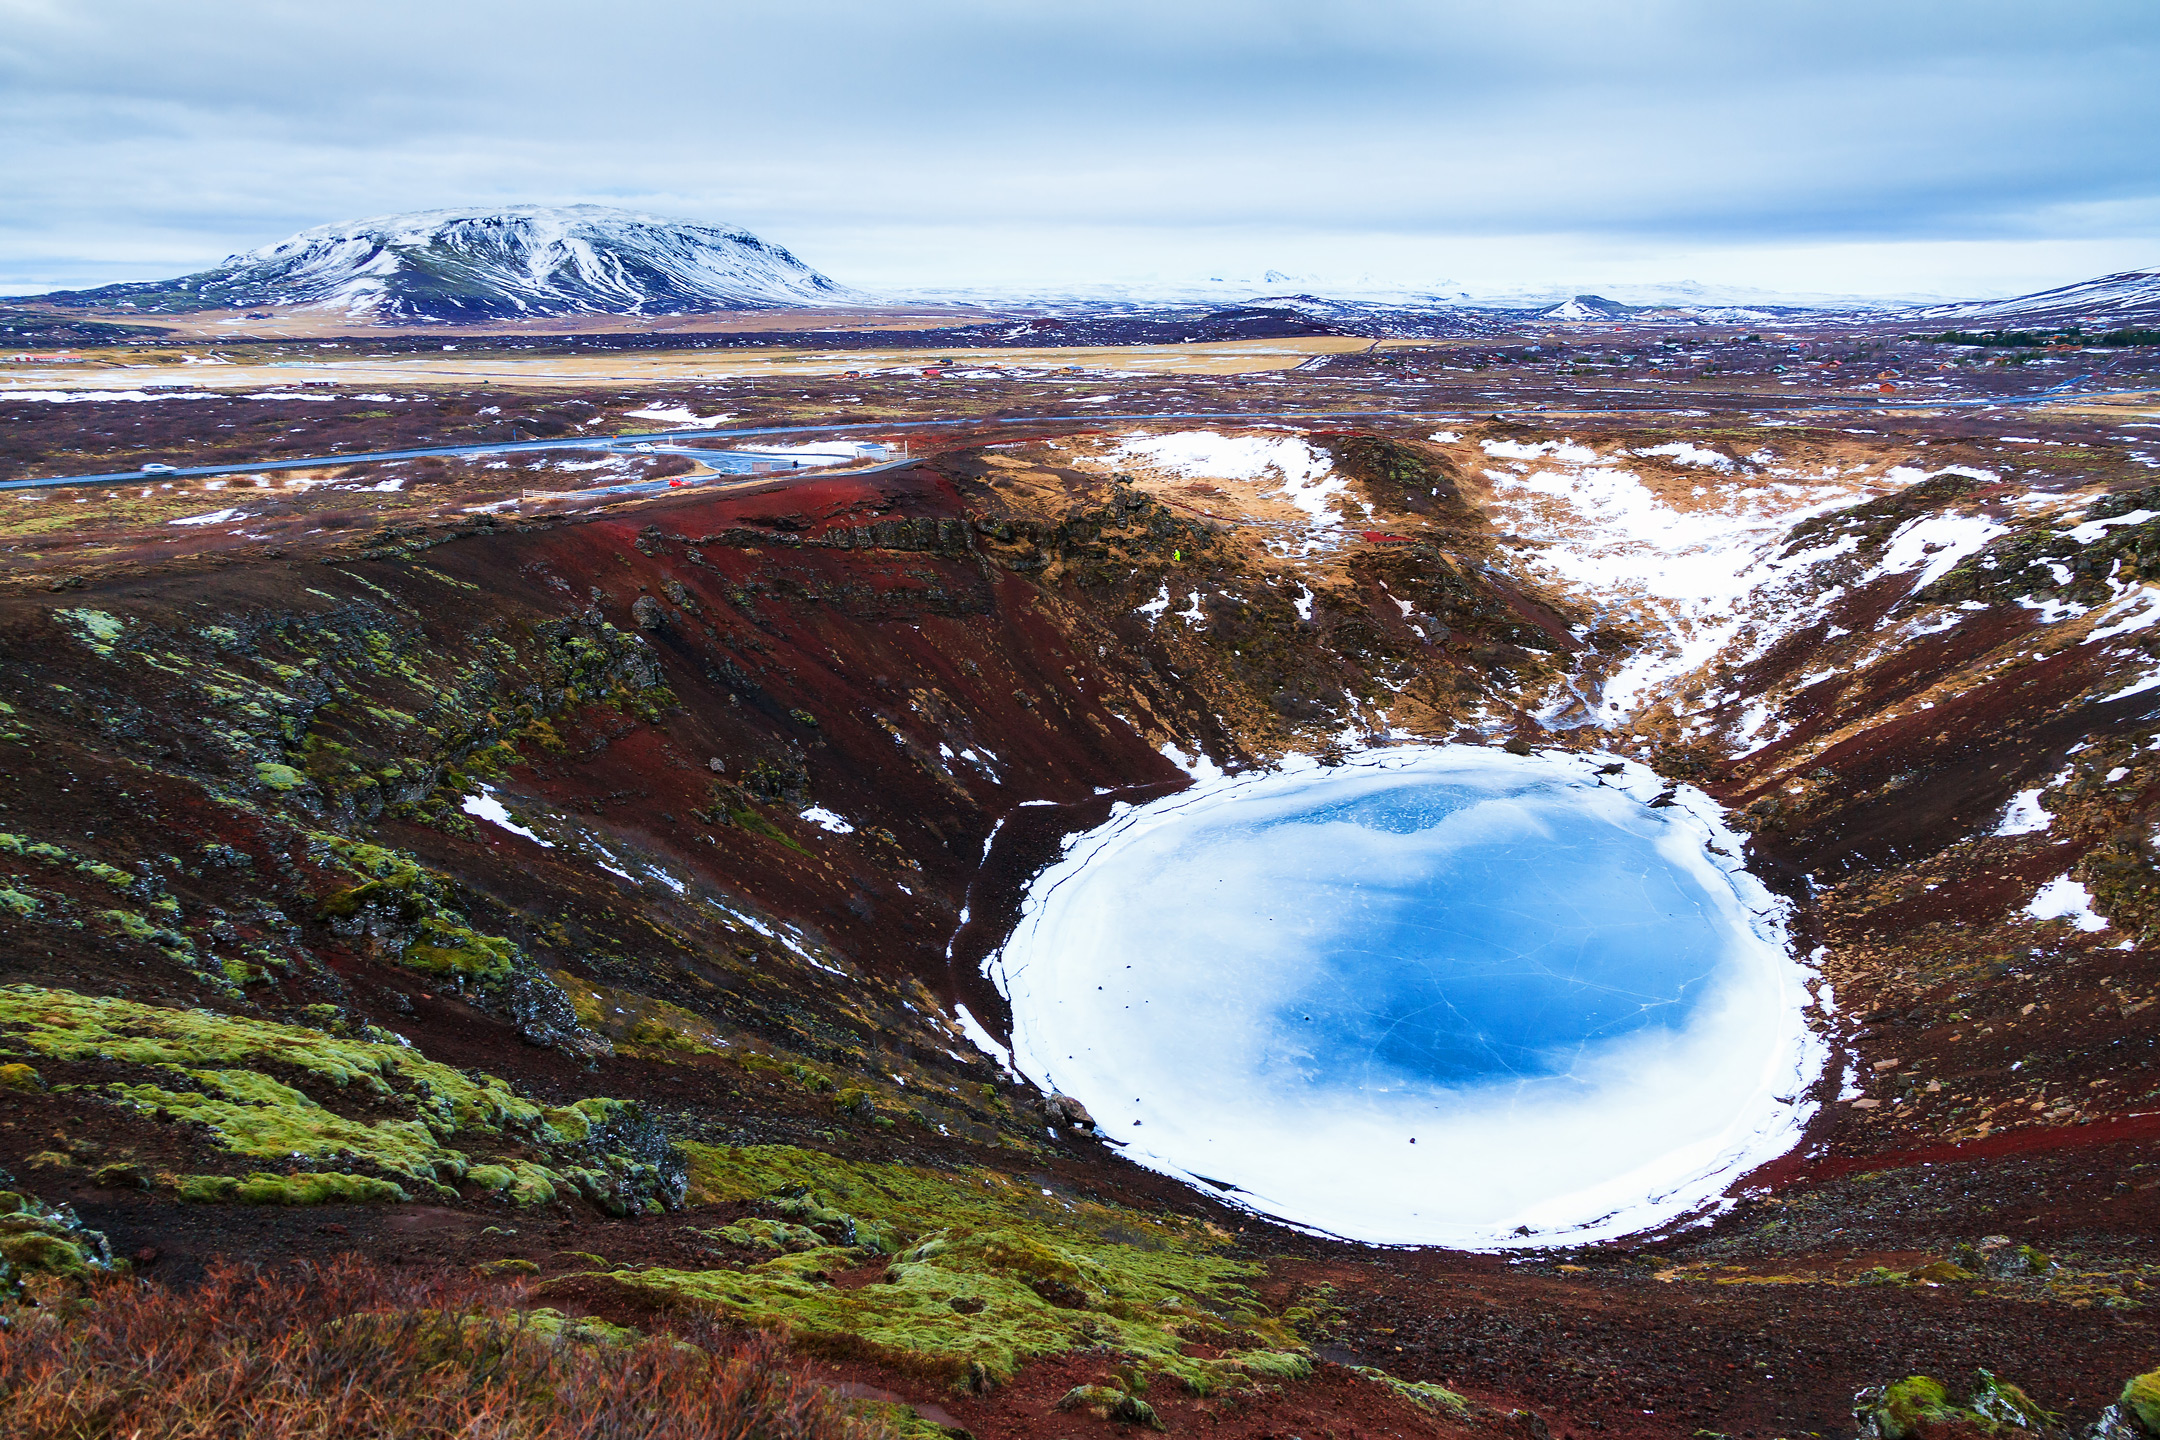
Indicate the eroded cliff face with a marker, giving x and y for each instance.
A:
(502, 869)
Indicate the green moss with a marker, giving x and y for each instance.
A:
(2006, 1405)
(639, 1024)
(535, 1185)
(18, 1076)
(263, 1118)
(507, 1267)
(277, 776)
(2141, 1397)
(94, 628)
(1903, 1407)
(137, 927)
(305, 1188)
(17, 902)
(1107, 1402)
(37, 1238)
(443, 942)
(1422, 1393)
(111, 874)
(573, 1124)
(899, 1419)
(757, 1233)
(458, 950)
(988, 1274)
(37, 1251)
(33, 849)
(1907, 1408)
(217, 1070)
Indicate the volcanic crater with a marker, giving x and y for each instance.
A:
(596, 889)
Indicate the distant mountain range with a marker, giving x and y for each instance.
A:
(2127, 298)
(533, 261)
(508, 263)
(1275, 287)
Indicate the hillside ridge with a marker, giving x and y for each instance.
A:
(514, 261)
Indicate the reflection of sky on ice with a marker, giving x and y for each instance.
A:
(1450, 941)
(1285, 982)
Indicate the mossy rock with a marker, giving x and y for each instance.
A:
(536, 1185)
(1919, 1408)
(38, 1238)
(41, 1250)
(580, 1329)
(2141, 1400)
(277, 776)
(512, 1266)
(756, 1233)
(1941, 1272)
(1902, 1409)
(1424, 1394)
(395, 882)
(1107, 1402)
(18, 1076)
(2007, 1405)
(491, 1177)
(306, 1188)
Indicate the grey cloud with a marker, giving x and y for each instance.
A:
(218, 126)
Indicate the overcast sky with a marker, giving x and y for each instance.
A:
(1960, 147)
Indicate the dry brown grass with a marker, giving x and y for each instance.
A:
(347, 1353)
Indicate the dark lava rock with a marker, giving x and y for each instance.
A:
(544, 1016)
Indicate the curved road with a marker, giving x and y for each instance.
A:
(655, 442)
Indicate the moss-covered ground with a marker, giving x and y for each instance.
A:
(342, 1118)
(976, 1273)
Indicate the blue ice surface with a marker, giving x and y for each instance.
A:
(1509, 949)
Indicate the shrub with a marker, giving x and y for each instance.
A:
(344, 1350)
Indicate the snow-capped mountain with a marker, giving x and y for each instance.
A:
(519, 260)
(2127, 298)
(1585, 307)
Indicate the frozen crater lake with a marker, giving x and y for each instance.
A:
(1436, 996)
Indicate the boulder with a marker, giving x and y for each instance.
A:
(1064, 1110)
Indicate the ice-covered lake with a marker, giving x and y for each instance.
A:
(1436, 996)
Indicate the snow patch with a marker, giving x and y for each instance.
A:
(2065, 899)
(681, 417)
(2025, 815)
(981, 1038)
(485, 806)
(1682, 453)
(1308, 476)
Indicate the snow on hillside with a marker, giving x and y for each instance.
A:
(1691, 556)
(520, 260)
(2129, 297)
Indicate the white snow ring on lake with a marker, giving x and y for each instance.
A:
(1434, 996)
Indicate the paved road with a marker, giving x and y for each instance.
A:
(739, 461)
